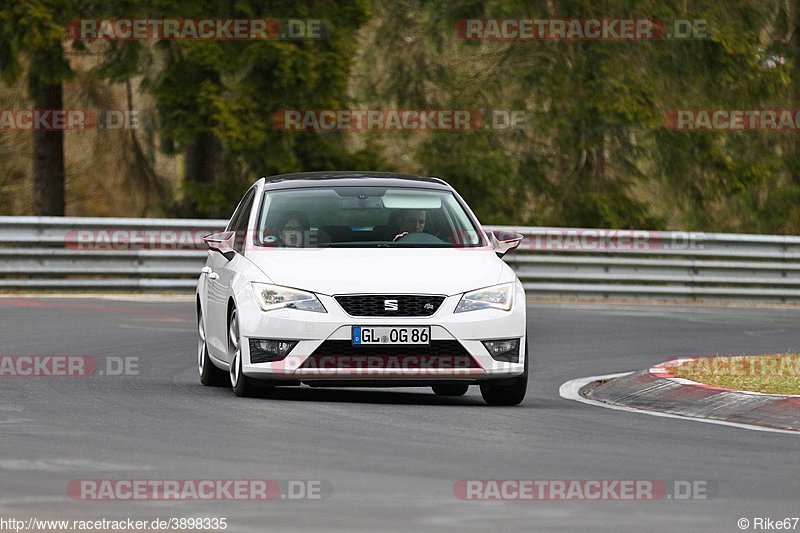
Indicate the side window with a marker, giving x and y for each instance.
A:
(237, 213)
(240, 224)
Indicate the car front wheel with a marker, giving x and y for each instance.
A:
(241, 384)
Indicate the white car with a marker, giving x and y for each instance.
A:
(361, 279)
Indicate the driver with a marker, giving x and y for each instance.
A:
(291, 230)
(411, 221)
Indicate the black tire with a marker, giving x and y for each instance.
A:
(451, 389)
(511, 394)
(210, 375)
(242, 385)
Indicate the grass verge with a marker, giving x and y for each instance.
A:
(771, 374)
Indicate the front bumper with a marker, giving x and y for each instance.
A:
(311, 330)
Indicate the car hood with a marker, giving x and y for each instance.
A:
(380, 270)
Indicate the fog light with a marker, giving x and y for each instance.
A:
(269, 350)
(505, 350)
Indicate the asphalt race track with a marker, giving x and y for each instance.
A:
(391, 457)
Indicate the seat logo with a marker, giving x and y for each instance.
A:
(390, 305)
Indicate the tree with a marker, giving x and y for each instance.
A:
(32, 31)
(216, 98)
(596, 151)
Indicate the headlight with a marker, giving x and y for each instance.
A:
(496, 297)
(271, 297)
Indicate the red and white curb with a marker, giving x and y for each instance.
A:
(657, 392)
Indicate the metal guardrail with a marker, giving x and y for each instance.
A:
(122, 254)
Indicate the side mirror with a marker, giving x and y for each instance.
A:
(221, 242)
(505, 241)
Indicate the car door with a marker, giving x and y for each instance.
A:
(220, 276)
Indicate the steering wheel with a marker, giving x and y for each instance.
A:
(419, 238)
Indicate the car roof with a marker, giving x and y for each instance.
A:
(353, 179)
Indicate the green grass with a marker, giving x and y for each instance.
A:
(772, 374)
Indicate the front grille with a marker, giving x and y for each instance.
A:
(375, 304)
(440, 355)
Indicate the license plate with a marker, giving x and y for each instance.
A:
(391, 335)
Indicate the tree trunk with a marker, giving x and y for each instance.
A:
(794, 28)
(202, 167)
(48, 155)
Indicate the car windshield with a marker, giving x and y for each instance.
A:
(364, 217)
